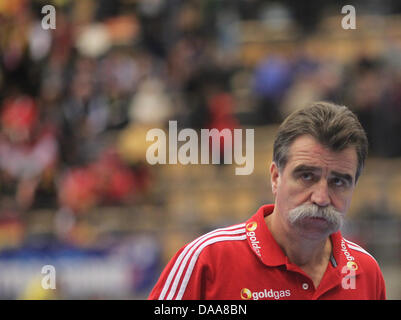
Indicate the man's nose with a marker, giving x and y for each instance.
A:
(320, 195)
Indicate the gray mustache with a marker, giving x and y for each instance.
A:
(330, 214)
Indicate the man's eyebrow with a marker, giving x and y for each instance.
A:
(303, 167)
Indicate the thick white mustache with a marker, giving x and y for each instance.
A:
(331, 215)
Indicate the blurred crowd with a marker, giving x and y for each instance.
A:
(67, 94)
(76, 101)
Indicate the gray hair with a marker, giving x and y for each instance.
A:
(334, 126)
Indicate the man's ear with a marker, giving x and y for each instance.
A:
(274, 177)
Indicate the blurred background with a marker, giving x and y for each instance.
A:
(76, 102)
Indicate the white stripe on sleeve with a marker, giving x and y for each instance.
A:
(236, 229)
(195, 258)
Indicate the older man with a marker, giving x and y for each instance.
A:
(292, 249)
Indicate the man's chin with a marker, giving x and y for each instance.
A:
(315, 228)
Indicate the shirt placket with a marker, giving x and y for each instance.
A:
(304, 284)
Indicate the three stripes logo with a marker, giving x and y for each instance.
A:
(180, 274)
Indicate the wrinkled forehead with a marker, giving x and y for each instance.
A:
(306, 150)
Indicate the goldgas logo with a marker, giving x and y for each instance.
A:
(251, 226)
(247, 294)
(344, 249)
(352, 265)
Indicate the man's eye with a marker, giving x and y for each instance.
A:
(306, 176)
(338, 182)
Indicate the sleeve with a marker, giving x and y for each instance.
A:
(183, 278)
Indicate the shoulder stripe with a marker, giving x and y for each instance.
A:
(356, 247)
(189, 254)
(195, 258)
(186, 253)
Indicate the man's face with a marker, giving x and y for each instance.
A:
(314, 190)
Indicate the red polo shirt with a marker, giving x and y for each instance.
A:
(245, 262)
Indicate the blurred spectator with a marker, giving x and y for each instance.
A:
(271, 80)
(151, 104)
(11, 231)
(221, 107)
(28, 152)
(78, 190)
(106, 181)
